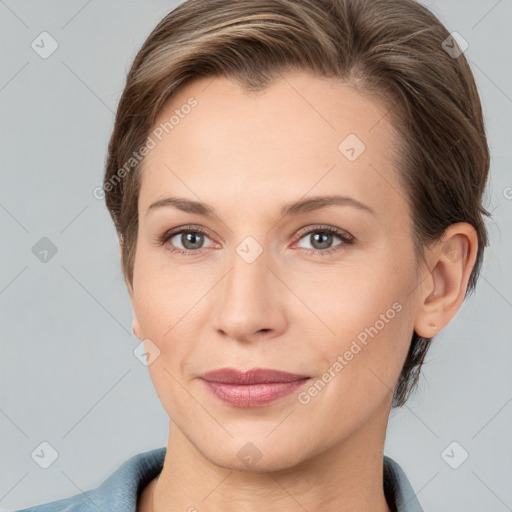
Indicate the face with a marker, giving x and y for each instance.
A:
(325, 291)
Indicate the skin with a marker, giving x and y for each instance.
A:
(247, 155)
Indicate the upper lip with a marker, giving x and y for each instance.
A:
(252, 376)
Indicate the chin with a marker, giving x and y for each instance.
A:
(242, 454)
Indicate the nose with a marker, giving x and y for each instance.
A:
(250, 301)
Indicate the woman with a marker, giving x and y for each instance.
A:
(297, 189)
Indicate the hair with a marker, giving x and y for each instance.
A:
(393, 49)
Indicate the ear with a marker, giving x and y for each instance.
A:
(451, 261)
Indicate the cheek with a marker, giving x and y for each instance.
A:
(170, 308)
(163, 293)
(370, 314)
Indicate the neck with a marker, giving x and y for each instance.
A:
(344, 477)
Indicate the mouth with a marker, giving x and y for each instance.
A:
(257, 387)
(252, 376)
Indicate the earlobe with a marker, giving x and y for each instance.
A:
(136, 327)
(452, 261)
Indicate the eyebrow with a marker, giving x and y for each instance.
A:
(302, 206)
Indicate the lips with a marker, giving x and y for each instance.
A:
(258, 387)
(252, 376)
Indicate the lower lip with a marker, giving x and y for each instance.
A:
(253, 395)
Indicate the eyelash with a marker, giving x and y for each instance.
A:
(346, 238)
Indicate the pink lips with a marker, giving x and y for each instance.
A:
(252, 388)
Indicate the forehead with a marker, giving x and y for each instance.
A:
(301, 135)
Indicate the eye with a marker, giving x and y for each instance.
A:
(191, 240)
(321, 238)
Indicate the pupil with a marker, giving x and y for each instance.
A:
(190, 237)
(324, 244)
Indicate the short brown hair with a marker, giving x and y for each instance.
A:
(395, 49)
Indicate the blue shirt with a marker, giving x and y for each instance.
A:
(120, 491)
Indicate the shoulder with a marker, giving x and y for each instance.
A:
(118, 492)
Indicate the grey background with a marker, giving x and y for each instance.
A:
(68, 374)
